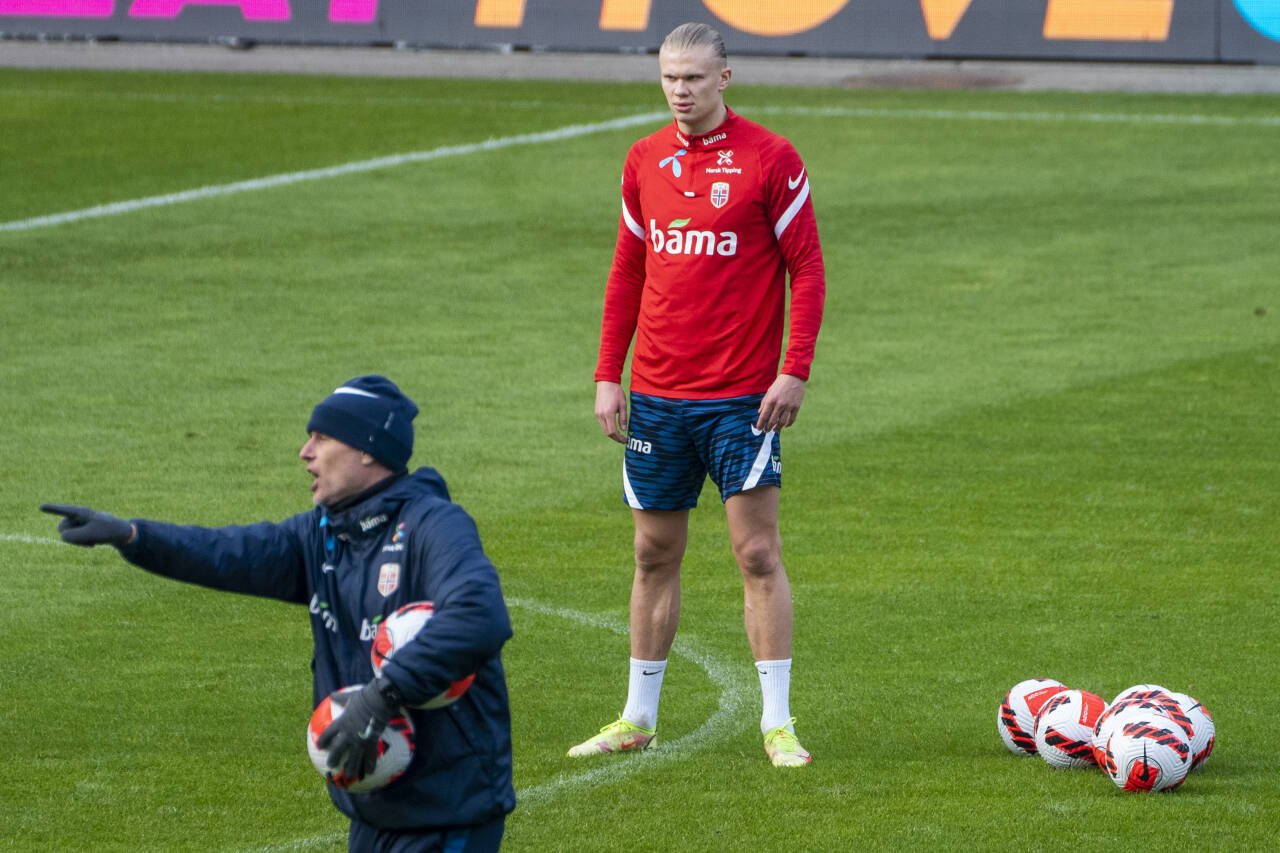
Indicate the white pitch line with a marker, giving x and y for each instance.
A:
(288, 178)
(1193, 119)
(302, 844)
(219, 99)
(722, 674)
(855, 112)
(29, 540)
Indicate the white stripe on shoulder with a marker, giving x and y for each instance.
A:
(632, 225)
(347, 389)
(790, 213)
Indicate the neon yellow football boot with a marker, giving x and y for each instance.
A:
(783, 749)
(619, 736)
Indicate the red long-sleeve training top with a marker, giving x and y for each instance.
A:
(711, 226)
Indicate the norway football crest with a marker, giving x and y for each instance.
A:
(719, 194)
(388, 578)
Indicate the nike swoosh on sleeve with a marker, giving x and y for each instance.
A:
(792, 184)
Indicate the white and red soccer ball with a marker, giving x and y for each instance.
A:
(401, 627)
(1016, 717)
(1138, 691)
(395, 746)
(1064, 728)
(1203, 731)
(1191, 717)
(1147, 698)
(1148, 739)
(1146, 751)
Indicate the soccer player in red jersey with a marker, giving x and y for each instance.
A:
(716, 217)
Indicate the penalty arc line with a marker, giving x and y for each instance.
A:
(731, 701)
(732, 698)
(288, 178)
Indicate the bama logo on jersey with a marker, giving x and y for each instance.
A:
(675, 240)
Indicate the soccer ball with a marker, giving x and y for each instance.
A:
(395, 746)
(1147, 701)
(1016, 717)
(1064, 728)
(1146, 752)
(401, 627)
(1138, 691)
(1203, 732)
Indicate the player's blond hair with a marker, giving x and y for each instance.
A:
(693, 35)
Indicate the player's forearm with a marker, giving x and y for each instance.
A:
(808, 296)
(618, 324)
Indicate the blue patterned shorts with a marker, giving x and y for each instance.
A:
(674, 445)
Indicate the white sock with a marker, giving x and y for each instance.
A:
(643, 689)
(775, 688)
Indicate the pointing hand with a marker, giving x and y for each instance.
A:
(86, 527)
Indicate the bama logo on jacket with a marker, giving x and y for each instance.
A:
(677, 241)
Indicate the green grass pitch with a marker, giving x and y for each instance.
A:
(1040, 439)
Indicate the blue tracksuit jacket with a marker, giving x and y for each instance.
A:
(405, 543)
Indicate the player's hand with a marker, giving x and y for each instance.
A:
(611, 410)
(86, 527)
(352, 739)
(781, 403)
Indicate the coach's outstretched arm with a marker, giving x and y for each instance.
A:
(87, 527)
(262, 559)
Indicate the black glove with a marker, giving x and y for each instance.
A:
(85, 527)
(352, 739)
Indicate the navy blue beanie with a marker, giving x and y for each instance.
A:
(370, 414)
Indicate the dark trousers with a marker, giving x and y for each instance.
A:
(485, 838)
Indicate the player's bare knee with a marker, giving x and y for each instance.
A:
(759, 557)
(654, 555)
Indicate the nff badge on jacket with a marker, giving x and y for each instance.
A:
(388, 578)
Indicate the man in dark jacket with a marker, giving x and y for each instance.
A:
(378, 538)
